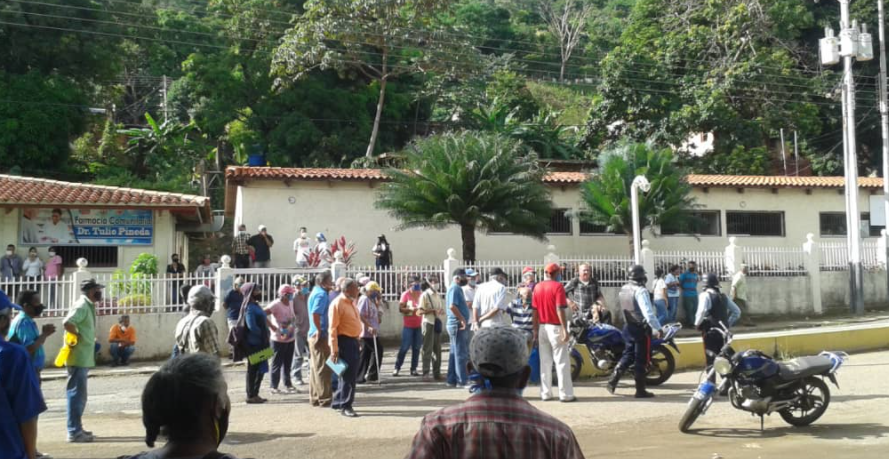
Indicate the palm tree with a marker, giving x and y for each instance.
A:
(607, 195)
(476, 181)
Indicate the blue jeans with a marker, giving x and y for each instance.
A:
(76, 395)
(458, 356)
(411, 338)
(660, 307)
(120, 356)
(672, 308)
(300, 353)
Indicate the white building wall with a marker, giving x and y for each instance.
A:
(347, 209)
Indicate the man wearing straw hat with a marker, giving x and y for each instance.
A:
(371, 351)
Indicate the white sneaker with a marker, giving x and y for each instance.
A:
(274, 391)
(395, 373)
(299, 382)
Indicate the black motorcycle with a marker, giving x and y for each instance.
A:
(756, 383)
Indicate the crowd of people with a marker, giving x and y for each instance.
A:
(327, 332)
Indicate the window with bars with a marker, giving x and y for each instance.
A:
(834, 224)
(755, 223)
(97, 256)
(703, 223)
(587, 228)
(559, 222)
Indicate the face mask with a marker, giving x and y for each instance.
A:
(175, 260)
(472, 282)
(32, 255)
(288, 297)
(256, 296)
(97, 296)
(123, 328)
(416, 288)
(9, 253)
(242, 233)
(39, 309)
(558, 278)
(372, 295)
(52, 254)
(304, 291)
(433, 286)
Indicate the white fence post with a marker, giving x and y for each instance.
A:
(733, 257)
(647, 256)
(813, 266)
(881, 249)
(450, 264)
(225, 279)
(551, 256)
(78, 277)
(338, 267)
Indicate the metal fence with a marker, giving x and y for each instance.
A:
(835, 256)
(610, 270)
(512, 268)
(775, 261)
(394, 279)
(271, 279)
(707, 261)
(55, 294)
(141, 294)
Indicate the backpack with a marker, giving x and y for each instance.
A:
(237, 336)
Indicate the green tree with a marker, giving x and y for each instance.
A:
(379, 40)
(477, 181)
(606, 196)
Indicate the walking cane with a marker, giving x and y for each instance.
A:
(377, 361)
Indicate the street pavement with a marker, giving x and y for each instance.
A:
(855, 425)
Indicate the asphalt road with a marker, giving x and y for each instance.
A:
(855, 425)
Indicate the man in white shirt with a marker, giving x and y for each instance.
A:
(469, 293)
(302, 246)
(491, 300)
(57, 231)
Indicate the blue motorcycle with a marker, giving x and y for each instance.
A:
(606, 344)
(756, 383)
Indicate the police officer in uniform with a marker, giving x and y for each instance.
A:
(641, 319)
(714, 307)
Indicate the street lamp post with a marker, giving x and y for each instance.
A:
(639, 183)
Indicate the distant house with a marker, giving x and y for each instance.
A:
(760, 211)
(109, 226)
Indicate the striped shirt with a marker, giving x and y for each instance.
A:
(494, 424)
(522, 317)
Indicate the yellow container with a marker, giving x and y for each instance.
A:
(62, 358)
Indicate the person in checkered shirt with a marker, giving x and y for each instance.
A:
(496, 422)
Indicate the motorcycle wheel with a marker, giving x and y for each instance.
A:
(662, 366)
(694, 410)
(814, 399)
(576, 365)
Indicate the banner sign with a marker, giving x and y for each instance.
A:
(86, 227)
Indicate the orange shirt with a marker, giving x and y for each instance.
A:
(344, 320)
(117, 334)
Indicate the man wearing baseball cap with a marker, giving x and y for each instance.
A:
(496, 422)
(81, 322)
(20, 397)
(551, 331)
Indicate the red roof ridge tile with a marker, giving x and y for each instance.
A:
(49, 191)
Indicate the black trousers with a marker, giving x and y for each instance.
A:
(713, 342)
(637, 351)
(254, 376)
(242, 260)
(281, 360)
(345, 390)
(367, 369)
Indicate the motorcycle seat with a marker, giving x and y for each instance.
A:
(804, 367)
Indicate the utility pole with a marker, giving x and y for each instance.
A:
(783, 153)
(796, 153)
(165, 98)
(884, 122)
(853, 44)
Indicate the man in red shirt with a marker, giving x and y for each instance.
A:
(551, 331)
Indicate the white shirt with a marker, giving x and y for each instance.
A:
(32, 268)
(659, 288)
(301, 246)
(490, 296)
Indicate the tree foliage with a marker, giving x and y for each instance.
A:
(477, 181)
(606, 196)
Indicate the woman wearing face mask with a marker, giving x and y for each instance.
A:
(412, 333)
(32, 268)
(281, 321)
(371, 315)
(432, 310)
(257, 339)
(186, 400)
(53, 271)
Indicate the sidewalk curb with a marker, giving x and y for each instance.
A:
(56, 374)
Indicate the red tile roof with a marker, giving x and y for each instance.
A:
(293, 173)
(757, 181)
(15, 190)
(701, 181)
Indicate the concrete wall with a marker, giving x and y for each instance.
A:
(154, 335)
(166, 240)
(347, 209)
